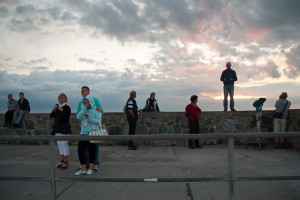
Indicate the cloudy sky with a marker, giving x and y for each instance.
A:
(175, 48)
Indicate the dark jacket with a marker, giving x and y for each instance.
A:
(131, 105)
(62, 120)
(24, 105)
(192, 112)
(152, 103)
(228, 74)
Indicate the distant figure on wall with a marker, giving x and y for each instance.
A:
(132, 113)
(192, 113)
(282, 107)
(12, 106)
(228, 77)
(151, 104)
(23, 108)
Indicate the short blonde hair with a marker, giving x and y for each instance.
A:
(152, 94)
(63, 95)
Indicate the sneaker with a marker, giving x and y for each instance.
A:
(96, 167)
(89, 172)
(131, 148)
(80, 173)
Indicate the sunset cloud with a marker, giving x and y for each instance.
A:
(175, 48)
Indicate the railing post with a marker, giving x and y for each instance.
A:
(52, 168)
(231, 167)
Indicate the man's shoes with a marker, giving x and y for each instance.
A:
(132, 148)
(17, 125)
(96, 168)
(199, 146)
(233, 109)
(225, 110)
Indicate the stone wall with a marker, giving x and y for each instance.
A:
(160, 123)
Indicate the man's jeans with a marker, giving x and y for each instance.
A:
(18, 117)
(228, 89)
(86, 154)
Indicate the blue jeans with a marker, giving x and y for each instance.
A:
(228, 89)
(18, 118)
(86, 154)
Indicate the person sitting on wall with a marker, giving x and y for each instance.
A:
(151, 104)
(12, 106)
(23, 108)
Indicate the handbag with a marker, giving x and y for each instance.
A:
(101, 132)
(279, 114)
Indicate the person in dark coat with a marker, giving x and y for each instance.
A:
(23, 108)
(151, 104)
(61, 113)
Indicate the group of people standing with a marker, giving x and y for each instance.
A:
(89, 112)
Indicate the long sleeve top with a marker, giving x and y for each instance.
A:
(280, 104)
(62, 120)
(192, 112)
(24, 105)
(12, 105)
(228, 74)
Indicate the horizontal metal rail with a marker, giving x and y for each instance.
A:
(231, 179)
(154, 136)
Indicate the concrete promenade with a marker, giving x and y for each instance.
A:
(152, 162)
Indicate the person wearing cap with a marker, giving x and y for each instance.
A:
(228, 77)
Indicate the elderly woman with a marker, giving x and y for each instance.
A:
(61, 113)
(90, 119)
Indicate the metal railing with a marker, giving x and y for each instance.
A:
(231, 178)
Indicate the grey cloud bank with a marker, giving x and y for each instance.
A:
(190, 41)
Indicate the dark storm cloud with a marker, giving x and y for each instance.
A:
(293, 60)
(4, 12)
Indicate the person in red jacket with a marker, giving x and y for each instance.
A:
(192, 112)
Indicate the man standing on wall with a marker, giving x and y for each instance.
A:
(132, 113)
(23, 108)
(228, 77)
(85, 90)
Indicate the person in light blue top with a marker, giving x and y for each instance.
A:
(85, 90)
(90, 119)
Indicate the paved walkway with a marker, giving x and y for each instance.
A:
(152, 162)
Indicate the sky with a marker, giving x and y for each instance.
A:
(176, 48)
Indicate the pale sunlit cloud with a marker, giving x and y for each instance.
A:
(174, 48)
